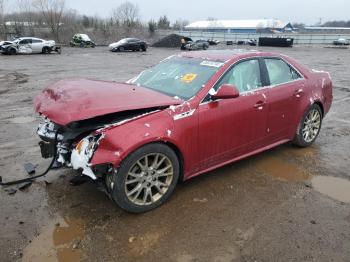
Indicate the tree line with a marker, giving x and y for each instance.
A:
(52, 19)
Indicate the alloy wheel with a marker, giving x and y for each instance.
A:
(149, 179)
(311, 125)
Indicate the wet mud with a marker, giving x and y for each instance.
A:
(57, 241)
(286, 204)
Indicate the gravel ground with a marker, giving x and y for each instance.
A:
(286, 204)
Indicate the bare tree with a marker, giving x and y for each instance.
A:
(25, 16)
(52, 11)
(180, 24)
(2, 18)
(126, 14)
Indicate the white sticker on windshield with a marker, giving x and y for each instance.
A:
(211, 63)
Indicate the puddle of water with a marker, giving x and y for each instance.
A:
(307, 152)
(334, 187)
(55, 242)
(281, 170)
(22, 120)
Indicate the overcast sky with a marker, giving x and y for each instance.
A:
(306, 11)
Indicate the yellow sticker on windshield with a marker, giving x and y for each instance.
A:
(188, 78)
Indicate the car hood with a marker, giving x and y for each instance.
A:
(2, 43)
(73, 100)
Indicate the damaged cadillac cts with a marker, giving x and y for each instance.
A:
(191, 113)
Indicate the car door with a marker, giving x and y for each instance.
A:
(135, 44)
(287, 89)
(130, 45)
(229, 128)
(25, 46)
(37, 45)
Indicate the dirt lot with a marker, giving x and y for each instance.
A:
(287, 204)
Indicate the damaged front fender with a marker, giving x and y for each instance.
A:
(120, 140)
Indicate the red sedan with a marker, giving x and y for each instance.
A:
(187, 115)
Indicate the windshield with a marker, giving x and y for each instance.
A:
(178, 76)
(85, 37)
(123, 41)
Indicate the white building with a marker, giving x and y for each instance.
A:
(241, 26)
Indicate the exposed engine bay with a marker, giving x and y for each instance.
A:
(78, 141)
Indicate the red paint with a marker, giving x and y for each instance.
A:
(212, 134)
(70, 100)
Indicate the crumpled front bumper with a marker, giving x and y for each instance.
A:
(74, 154)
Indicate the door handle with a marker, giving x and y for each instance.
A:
(259, 105)
(298, 92)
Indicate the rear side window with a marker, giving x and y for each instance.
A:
(280, 72)
(36, 41)
(245, 76)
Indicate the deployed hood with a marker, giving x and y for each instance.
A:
(6, 43)
(73, 100)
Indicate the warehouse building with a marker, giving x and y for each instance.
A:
(241, 26)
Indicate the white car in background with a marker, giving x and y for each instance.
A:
(28, 45)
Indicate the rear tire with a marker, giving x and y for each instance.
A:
(309, 127)
(146, 178)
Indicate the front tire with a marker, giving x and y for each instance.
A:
(46, 50)
(146, 178)
(309, 127)
(12, 51)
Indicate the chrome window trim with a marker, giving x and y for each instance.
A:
(257, 89)
(294, 80)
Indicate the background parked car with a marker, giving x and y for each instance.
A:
(213, 42)
(198, 45)
(82, 40)
(28, 45)
(341, 41)
(128, 44)
(251, 42)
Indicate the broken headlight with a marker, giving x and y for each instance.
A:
(83, 153)
(88, 146)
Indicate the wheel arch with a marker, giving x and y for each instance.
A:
(180, 157)
(319, 103)
(107, 156)
(168, 143)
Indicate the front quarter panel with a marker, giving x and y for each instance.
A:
(120, 140)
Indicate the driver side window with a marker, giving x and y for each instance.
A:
(25, 42)
(245, 76)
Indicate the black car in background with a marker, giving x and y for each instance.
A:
(128, 44)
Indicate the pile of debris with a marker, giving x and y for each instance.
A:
(172, 40)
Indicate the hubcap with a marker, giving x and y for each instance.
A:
(149, 179)
(311, 125)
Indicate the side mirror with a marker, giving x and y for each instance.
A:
(226, 91)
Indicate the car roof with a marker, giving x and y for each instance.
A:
(131, 38)
(27, 37)
(225, 55)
